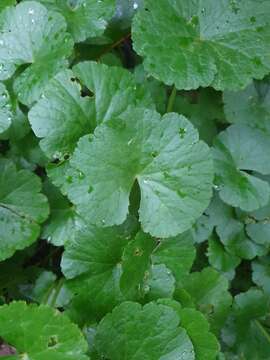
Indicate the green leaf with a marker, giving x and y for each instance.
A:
(22, 208)
(173, 169)
(87, 18)
(39, 332)
(5, 109)
(176, 253)
(40, 40)
(231, 231)
(223, 44)
(220, 259)
(61, 116)
(261, 273)
(5, 3)
(159, 282)
(238, 153)
(114, 88)
(26, 152)
(63, 222)
(92, 262)
(209, 291)
(135, 262)
(202, 229)
(203, 109)
(249, 106)
(245, 332)
(133, 332)
(204, 342)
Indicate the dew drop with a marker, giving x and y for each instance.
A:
(1, 43)
(135, 6)
(130, 142)
(145, 182)
(32, 21)
(31, 11)
(81, 175)
(103, 221)
(49, 238)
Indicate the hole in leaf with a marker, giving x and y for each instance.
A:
(53, 341)
(86, 92)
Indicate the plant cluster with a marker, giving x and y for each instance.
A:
(135, 179)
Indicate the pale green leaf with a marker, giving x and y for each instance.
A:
(22, 208)
(173, 169)
(200, 43)
(32, 35)
(39, 332)
(133, 332)
(238, 152)
(85, 18)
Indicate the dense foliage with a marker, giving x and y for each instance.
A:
(135, 179)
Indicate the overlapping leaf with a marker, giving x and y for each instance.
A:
(239, 153)
(64, 114)
(85, 18)
(173, 169)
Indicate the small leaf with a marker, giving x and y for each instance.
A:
(238, 153)
(22, 208)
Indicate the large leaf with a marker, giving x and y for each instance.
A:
(32, 35)
(64, 114)
(238, 153)
(172, 167)
(41, 333)
(133, 332)
(87, 18)
(22, 208)
(92, 262)
(200, 43)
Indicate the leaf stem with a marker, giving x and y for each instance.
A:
(114, 45)
(57, 291)
(262, 329)
(171, 99)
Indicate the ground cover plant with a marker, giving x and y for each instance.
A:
(135, 179)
